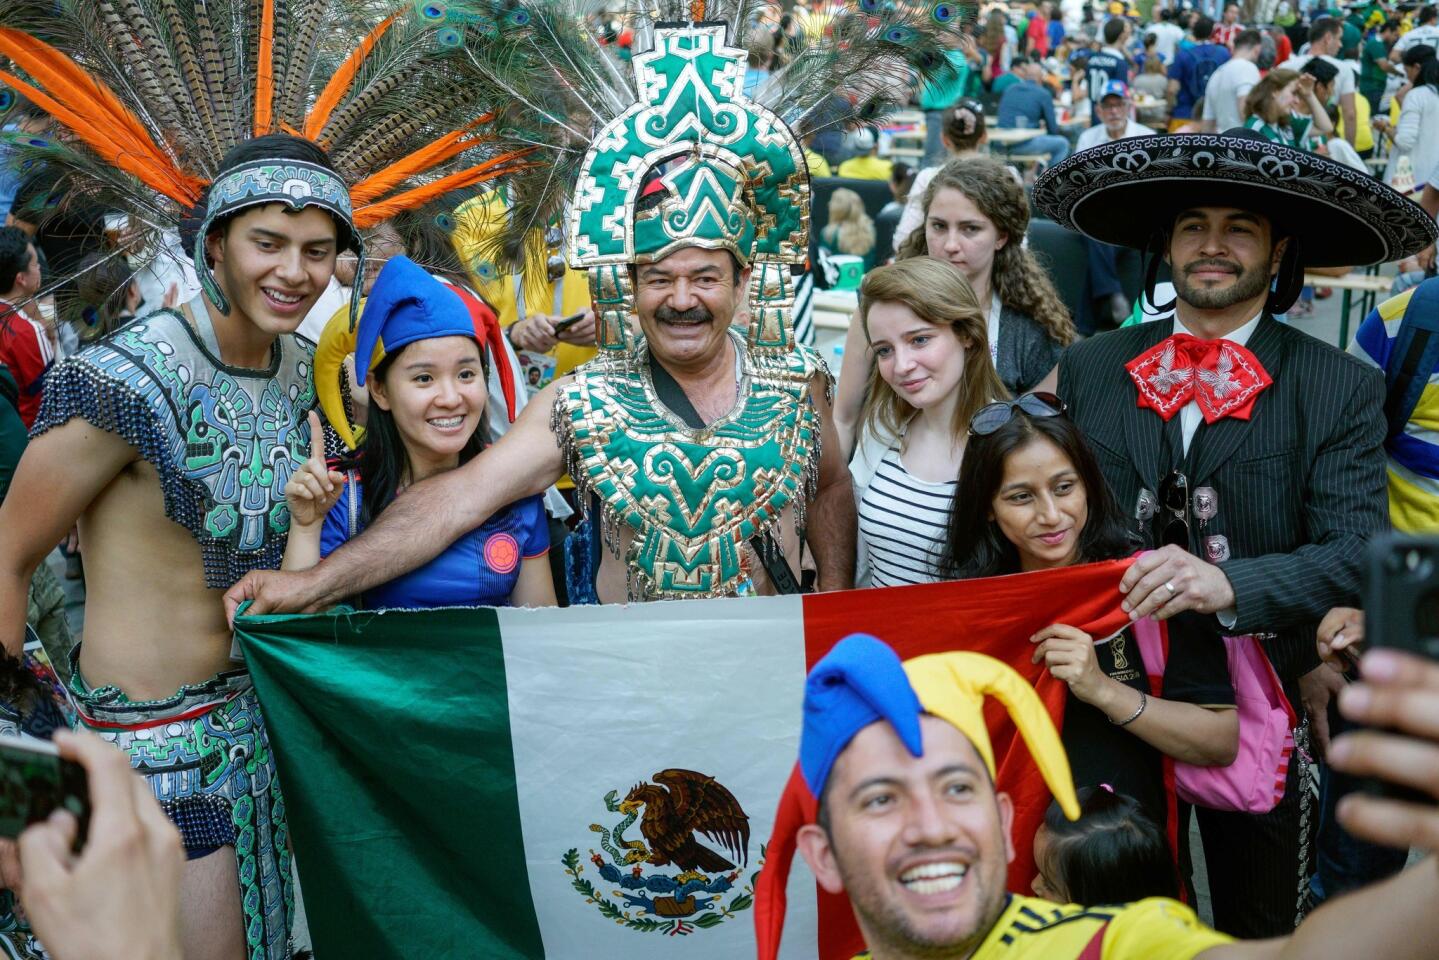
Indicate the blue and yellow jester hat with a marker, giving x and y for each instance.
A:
(862, 681)
(405, 304)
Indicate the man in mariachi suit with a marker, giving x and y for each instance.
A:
(706, 454)
(1248, 452)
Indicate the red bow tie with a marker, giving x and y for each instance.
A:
(1221, 375)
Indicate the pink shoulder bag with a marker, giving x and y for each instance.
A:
(1254, 782)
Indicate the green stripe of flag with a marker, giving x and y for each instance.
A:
(399, 781)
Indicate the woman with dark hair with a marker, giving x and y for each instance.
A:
(1112, 854)
(425, 369)
(1031, 497)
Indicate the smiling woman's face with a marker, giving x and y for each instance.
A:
(1041, 505)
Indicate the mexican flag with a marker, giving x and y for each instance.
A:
(595, 781)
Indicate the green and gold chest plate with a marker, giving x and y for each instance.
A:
(692, 497)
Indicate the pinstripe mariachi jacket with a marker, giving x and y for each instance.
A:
(1300, 485)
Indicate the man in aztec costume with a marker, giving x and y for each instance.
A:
(699, 439)
(283, 130)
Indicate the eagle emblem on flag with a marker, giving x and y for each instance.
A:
(669, 879)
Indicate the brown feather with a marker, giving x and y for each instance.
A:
(373, 146)
(338, 127)
(219, 79)
(306, 22)
(209, 136)
(319, 116)
(156, 55)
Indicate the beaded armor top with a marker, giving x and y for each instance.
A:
(223, 439)
(692, 497)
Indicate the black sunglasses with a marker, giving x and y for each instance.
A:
(992, 416)
(1174, 498)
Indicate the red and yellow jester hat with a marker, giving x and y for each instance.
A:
(862, 681)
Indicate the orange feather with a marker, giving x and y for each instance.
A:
(265, 70)
(334, 91)
(159, 175)
(450, 145)
(94, 113)
(372, 214)
(70, 83)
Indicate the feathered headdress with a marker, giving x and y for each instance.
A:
(152, 93)
(721, 168)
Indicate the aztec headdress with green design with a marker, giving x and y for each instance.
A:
(152, 93)
(730, 173)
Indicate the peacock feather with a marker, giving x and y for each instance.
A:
(564, 80)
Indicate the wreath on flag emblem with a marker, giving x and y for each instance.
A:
(667, 880)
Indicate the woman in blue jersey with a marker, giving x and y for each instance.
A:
(420, 351)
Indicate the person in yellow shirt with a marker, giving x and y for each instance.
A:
(818, 166)
(1363, 128)
(894, 805)
(532, 307)
(868, 165)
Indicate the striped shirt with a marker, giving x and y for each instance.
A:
(903, 521)
(1413, 456)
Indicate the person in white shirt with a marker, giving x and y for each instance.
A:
(1426, 33)
(1116, 119)
(1325, 37)
(1230, 84)
(1417, 133)
(1166, 35)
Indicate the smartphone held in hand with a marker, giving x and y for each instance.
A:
(35, 781)
(1401, 611)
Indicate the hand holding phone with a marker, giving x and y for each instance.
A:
(35, 781)
(1401, 612)
(562, 325)
(84, 906)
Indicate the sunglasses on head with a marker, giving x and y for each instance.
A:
(995, 415)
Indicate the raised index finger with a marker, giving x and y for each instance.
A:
(317, 438)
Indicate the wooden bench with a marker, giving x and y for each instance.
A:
(1369, 286)
(833, 308)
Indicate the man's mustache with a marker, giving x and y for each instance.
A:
(1198, 265)
(696, 314)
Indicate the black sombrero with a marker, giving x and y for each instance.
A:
(1126, 191)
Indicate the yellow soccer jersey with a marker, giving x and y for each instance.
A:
(1153, 929)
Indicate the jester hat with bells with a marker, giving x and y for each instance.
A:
(730, 173)
(406, 304)
(862, 681)
(153, 93)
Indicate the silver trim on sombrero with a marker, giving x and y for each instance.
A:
(1397, 223)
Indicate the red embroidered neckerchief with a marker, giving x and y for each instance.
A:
(1222, 376)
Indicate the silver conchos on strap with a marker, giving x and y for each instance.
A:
(1216, 548)
(1206, 503)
